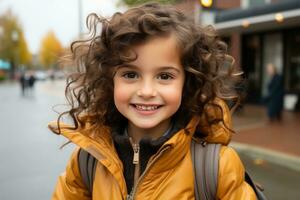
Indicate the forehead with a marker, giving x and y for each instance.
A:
(158, 51)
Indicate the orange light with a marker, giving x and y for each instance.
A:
(279, 17)
(206, 3)
(259, 161)
(245, 24)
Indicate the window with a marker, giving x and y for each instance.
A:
(254, 3)
(251, 62)
(293, 61)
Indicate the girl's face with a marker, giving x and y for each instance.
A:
(148, 91)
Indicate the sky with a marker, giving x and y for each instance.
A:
(37, 17)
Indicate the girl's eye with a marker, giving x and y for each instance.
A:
(130, 75)
(165, 76)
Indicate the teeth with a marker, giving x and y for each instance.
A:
(148, 108)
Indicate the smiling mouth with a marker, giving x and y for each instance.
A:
(142, 107)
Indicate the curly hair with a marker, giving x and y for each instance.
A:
(209, 70)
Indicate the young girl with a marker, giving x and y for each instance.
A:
(147, 85)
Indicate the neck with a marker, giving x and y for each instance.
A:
(137, 133)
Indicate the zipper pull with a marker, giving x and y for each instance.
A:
(129, 197)
(136, 153)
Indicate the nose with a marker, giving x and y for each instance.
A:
(147, 89)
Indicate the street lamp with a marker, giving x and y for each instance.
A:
(206, 3)
(15, 39)
(80, 17)
(204, 12)
(15, 36)
(1, 31)
(1, 34)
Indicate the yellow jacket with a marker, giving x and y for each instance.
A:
(168, 175)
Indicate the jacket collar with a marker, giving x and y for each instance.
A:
(101, 148)
(173, 150)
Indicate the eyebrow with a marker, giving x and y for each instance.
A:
(160, 68)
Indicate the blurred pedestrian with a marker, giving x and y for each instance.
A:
(52, 75)
(274, 98)
(31, 82)
(147, 85)
(23, 83)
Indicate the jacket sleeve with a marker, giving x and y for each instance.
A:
(69, 185)
(231, 182)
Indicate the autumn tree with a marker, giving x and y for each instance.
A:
(13, 46)
(25, 56)
(50, 50)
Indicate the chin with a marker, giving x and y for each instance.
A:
(146, 126)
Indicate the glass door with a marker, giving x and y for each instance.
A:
(272, 53)
(251, 62)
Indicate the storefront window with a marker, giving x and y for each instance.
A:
(272, 54)
(253, 3)
(293, 61)
(251, 58)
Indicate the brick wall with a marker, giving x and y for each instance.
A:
(235, 49)
(226, 4)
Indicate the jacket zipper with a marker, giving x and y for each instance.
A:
(133, 191)
(136, 160)
(136, 153)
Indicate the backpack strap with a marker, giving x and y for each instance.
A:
(205, 169)
(206, 172)
(258, 189)
(87, 167)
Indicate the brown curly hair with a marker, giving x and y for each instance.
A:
(209, 70)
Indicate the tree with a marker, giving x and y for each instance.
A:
(13, 46)
(25, 56)
(51, 49)
(137, 2)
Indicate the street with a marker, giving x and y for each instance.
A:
(279, 183)
(31, 158)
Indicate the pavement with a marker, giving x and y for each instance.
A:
(277, 142)
(31, 158)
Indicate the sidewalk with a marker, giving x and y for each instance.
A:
(278, 141)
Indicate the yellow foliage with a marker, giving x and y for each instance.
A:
(13, 46)
(25, 55)
(50, 50)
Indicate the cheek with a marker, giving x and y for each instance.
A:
(173, 95)
(120, 94)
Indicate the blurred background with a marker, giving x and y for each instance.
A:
(262, 35)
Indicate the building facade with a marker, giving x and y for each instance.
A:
(260, 32)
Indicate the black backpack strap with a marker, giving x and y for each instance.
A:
(87, 166)
(205, 169)
(257, 188)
